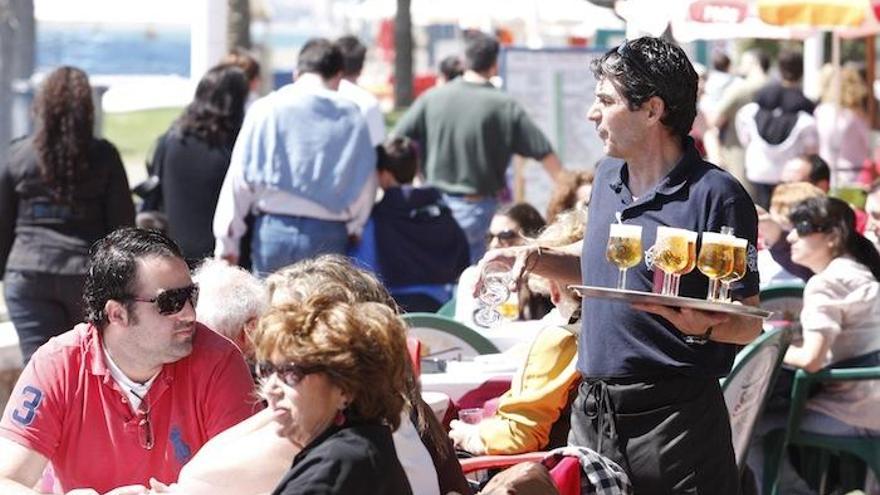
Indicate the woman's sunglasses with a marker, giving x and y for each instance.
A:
(503, 236)
(805, 228)
(171, 301)
(291, 373)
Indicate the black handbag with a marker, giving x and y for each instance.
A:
(150, 190)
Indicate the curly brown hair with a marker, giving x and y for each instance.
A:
(361, 346)
(65, 117)
(564, 195)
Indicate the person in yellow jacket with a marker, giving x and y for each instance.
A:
(542, 386)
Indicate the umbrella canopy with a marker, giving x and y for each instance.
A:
(731, 19)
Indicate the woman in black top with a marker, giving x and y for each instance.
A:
(60, 190)
(334, 375)
(192, 157)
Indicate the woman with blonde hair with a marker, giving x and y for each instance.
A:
(61, 189)
(843, 123)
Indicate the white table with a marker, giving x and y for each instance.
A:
(469, 383)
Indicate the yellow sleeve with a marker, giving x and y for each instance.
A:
(538, 395)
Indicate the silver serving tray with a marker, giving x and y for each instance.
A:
(633, 296)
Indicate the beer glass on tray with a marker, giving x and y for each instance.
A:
(715, 260)
(740, 264)
(624, 249)
(674, 254)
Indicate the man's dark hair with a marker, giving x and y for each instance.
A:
(451, 67)
(398, 155)
(481, 51)
(791, 66)
(762, 58)
(819, 169)
(113, 267)
(646, 67)
(720, 61)
(321, 57)
(353, 55)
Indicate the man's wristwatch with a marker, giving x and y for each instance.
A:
(699, 339)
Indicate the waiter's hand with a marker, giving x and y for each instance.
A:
(516, 257)
(688, 321)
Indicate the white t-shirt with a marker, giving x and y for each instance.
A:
(369, 106)
(415, 459)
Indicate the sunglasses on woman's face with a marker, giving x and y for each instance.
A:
(805, 228)
(171, 301)
(503, 236)
(291, 373)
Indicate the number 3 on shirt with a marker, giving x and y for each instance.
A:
(25, 414)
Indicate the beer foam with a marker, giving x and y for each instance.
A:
(690, 235)
(740, 243)
(624, 230)
(716, 238)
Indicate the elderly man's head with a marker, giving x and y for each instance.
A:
(810, 168)
(231, 300)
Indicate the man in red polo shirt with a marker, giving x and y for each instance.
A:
(133, 393)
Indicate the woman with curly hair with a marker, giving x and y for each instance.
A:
(61, 189)
(573, 190)
(191, 158)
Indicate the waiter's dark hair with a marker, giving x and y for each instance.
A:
(646, 67)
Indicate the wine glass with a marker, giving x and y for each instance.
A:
(495, 290)
(691, 237)
(715, 260)
(740, 265)
(670, 254)
(624, 249)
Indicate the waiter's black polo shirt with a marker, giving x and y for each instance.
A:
(617, 340)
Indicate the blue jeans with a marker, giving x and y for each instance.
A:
(42, 305)
(474, 217)
(281, 240)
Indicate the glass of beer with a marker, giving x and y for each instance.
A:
(495, 290)
(624, 249)
(740, 265)
(715, 260)
(675, 278)
(670, 254)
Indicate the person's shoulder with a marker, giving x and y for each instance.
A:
(65, 351)
(361, 443)
(608, 168)
(712, 179)
(209, 345)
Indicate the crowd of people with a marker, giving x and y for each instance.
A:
(241, 333)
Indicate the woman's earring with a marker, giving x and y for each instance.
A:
(339, 420)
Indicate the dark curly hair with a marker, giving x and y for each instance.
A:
(217, 110)
(648, 67)
(65, 115)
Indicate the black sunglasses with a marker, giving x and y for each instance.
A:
(503, 236)
(171, 301)
(805, 228)
(291, 373)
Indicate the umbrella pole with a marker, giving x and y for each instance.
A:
(837, 81)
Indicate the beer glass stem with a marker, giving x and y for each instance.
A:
(621, 279)
(667, 284)
(675, 280)
(713, 289)
(725, 292)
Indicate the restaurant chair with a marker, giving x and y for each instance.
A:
(785, 300)
(444, 338)
(865, 448)
(748, 386)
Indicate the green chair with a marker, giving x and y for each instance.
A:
(448, 309)
(785, 300)
(865, 448)
(749, 383)
(443, 337)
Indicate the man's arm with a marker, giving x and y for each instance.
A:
(20, 468)
(728, 329)
(562, 264)
(552, 165)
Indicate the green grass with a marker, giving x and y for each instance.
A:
(134, 133)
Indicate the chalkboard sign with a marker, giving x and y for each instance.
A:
(556, 88)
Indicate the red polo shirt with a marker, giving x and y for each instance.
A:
(67, 407)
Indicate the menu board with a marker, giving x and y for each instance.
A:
(556, 87)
